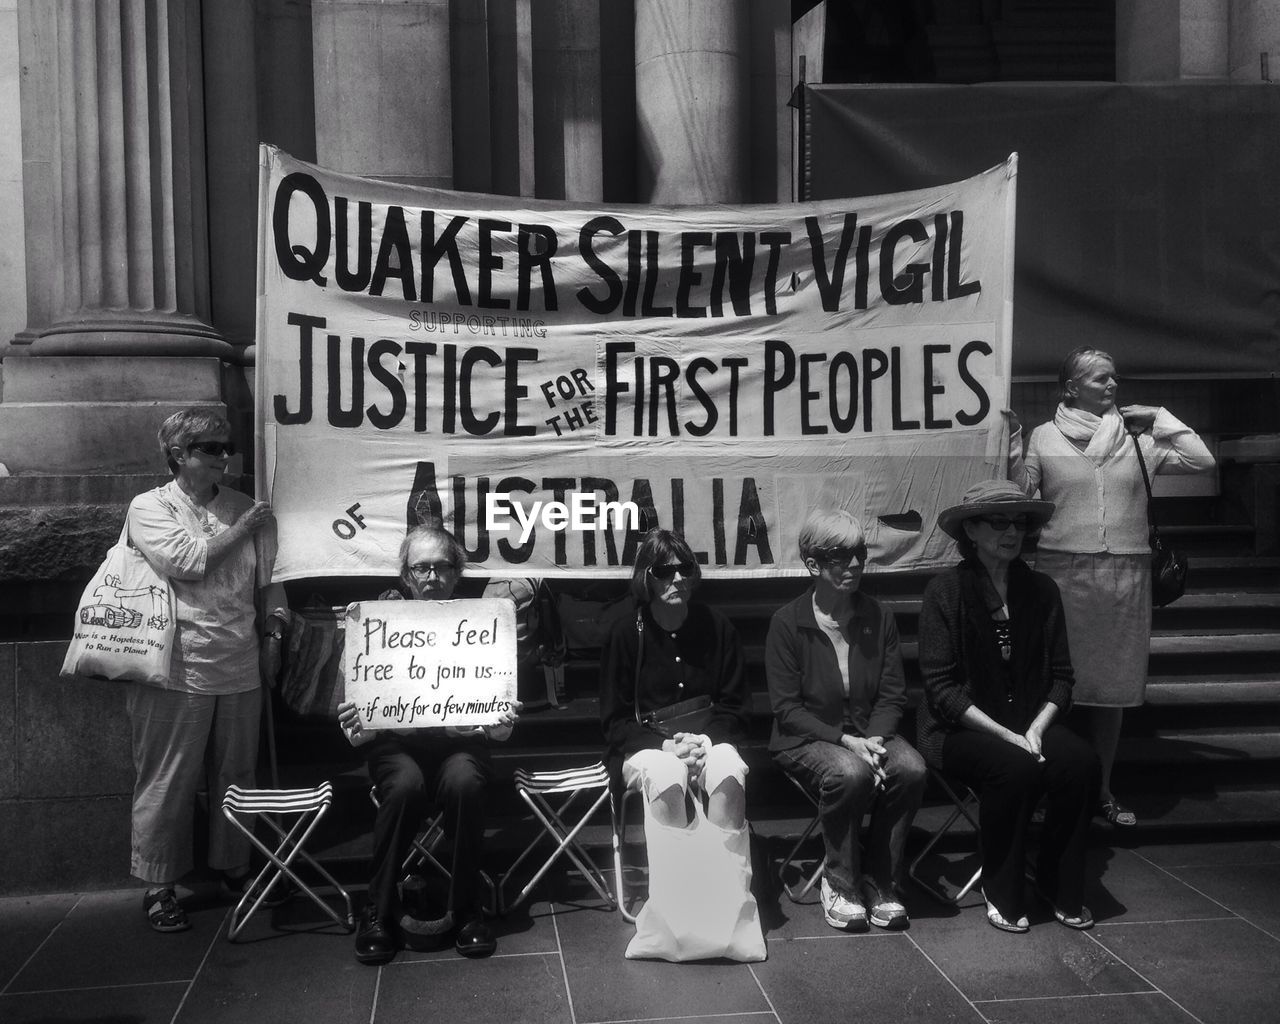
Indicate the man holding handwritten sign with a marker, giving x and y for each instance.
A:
(429, 683)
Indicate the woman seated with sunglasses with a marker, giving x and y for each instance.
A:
(836, 685)
(997, 677)
(671, 654)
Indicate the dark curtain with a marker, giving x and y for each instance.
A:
(1147, 215)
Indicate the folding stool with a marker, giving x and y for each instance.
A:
(422, 851)
(962, 803)
(309, 806)
(796, 893)
(619, 845)
(536, 789)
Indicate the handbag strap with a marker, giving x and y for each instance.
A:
(639, 658)
(1146, 480)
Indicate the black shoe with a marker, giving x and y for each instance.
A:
(375, 939)
(475, 939)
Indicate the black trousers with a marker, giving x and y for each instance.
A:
(1009, 783)
(413, 774)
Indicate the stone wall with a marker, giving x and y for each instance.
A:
(66, 775)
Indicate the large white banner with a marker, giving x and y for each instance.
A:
(551, 381)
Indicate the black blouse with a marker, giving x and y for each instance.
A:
(703, 656)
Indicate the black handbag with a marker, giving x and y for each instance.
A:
(1168, 566)
(692, 715)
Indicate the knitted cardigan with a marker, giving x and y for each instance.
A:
(959, 659)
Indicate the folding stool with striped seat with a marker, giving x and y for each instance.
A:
(309, 806)
(535, 789)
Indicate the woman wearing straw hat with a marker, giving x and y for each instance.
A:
(997, 677)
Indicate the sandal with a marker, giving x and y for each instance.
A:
(1117, 814)
(163, 911)
(997, 920)
(1082, 921)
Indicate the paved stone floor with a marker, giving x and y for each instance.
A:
(1186, 932)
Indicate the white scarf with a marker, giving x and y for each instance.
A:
(1105, 434)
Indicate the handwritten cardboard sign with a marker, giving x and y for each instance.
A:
(426, 664)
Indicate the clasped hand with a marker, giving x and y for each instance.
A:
(871, 750)
(692, 750)
(1030, 742)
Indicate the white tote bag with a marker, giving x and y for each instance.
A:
(700, 905)
(124, 625)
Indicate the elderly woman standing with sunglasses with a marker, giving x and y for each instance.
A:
(1096, 547)
(671, 654)
(217, 547)
(997, 679)
(836, 685)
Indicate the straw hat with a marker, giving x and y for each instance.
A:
(988, 497)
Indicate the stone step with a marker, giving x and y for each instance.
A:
(1239, 688)
(1202, 747)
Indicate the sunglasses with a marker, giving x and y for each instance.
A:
(842, 556)
(213, 449)
(1002, 523)
(668, 572)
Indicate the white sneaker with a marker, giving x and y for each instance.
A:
(841, 912)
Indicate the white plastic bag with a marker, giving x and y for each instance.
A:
(700, 905)
(124, 625)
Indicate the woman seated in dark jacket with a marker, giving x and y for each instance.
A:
(997, 677)
(671, 651)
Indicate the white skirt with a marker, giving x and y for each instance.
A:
(1107, 599)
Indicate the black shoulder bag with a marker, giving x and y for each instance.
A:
(1168, 567)
(692, 715)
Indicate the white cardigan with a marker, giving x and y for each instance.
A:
(1102, 508)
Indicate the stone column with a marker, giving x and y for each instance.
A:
(116, 200)
(1255, 30)
(1159, 41)
(691, 93)
(118, 314)
(567, 100)
(383, 95)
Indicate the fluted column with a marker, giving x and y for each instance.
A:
(383, 92)
(120, 260)
(691, 94)
(567, 90)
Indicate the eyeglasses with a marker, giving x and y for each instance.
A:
(668, 572)
(213, 449)
(1002, 523)
(842, 556)
(440, 569)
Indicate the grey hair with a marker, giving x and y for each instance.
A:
(1074, 365)
(180, 429)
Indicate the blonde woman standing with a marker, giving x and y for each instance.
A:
(1096, 546)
